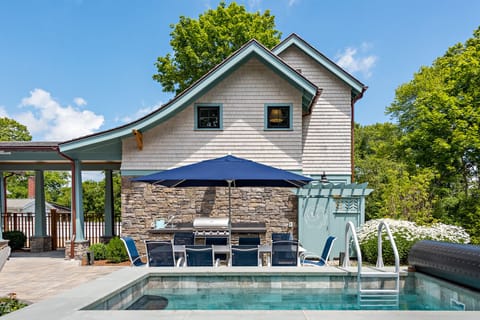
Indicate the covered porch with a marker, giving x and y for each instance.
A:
(39, 157)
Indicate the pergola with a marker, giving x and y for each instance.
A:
(61, 156)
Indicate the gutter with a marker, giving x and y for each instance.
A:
(352, 132)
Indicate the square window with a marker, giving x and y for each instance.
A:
(208, 117)
(279, 117)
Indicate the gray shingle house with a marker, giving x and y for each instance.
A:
(290, 107)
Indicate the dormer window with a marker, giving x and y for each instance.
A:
(278, 117)
(208, 117)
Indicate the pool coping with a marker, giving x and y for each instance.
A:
(68, 305)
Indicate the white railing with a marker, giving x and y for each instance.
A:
(392, 243)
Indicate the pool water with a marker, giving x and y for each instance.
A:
(271, 299)
(280, 292)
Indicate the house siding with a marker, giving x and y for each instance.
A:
(327, 130)
(243, 95)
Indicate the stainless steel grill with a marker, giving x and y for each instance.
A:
(211, 227)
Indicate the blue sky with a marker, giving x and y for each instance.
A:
(74, 67)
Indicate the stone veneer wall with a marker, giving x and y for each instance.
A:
(143, 203)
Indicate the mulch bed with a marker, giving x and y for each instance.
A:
(110, 264)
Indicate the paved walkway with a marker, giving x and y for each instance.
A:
(38, 276)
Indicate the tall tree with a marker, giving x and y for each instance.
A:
(401, 190)
(438, 112)
(200, 44)
(11, 130)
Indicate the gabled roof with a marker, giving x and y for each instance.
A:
(294, 40)
(251, 49)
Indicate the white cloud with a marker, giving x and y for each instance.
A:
(140, 113)
(354, 62)
(79, 101)
(253, 4)
(292, 2)
(48, 120)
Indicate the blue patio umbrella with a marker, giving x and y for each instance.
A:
(227, 171)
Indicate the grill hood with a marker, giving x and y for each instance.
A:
(210, 223)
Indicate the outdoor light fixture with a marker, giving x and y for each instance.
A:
(323, 178)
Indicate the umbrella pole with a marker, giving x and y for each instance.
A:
(229, 212)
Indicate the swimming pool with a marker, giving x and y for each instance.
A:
(277, 292)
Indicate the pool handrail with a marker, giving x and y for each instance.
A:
(380, 264)
(346, 260)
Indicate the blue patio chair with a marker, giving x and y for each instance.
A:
(133, 255)
(217, 241)
(244, 255)
(284, 253)
(184, 238)
(278, 236)
(200, 256)
(249, 241)
(311, 259)
(161, 254)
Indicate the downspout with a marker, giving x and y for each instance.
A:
(352, 133)
(73, 204)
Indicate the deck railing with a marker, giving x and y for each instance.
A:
(60, 225)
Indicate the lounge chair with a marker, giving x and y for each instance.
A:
(249, 241)
(4, 255)
(311, 259)
(244, 255)
(135, 258)
(161, 254)
(284, 253)
(200, 256)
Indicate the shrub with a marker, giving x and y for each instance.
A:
(116, 251)
(99, 251)
(10, 304)
(406, 234)
(17, 239)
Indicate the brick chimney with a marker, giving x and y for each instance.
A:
(31, 187)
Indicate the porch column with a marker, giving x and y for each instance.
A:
(109, 209)
(79, 221)
(40, 215)
(3, 198)
(40, 242)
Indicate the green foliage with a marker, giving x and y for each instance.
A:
(200, 44)
(405, 234)
(55, 184)
(370, 249)
(94, 197)
(11, 130)
(10, 304)
(17, 239)
(425, 167)
(438, 112)
(401, 190)
(115, 251)
(99, 251)
(17, 186)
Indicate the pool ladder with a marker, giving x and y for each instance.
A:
(383, 295)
